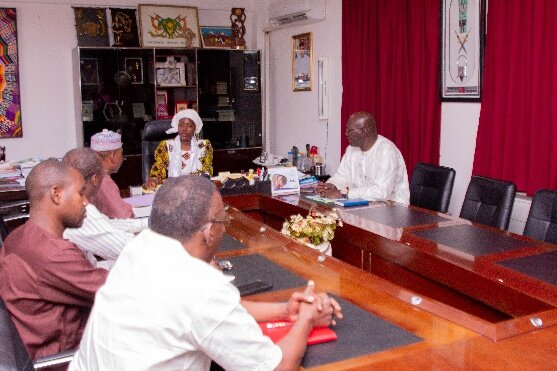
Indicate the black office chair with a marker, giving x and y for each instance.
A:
(153, 133)
(431, 187)
(489, 201)
(14, 356)
(542, 218)
(4, 231)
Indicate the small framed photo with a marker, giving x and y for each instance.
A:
(462, 50)
(183, 105)
(170, 73)
(216, 37)
(169, 26)
(89, 68)
(302, 62)
(134, 66)
(87, 110)
(138, 110)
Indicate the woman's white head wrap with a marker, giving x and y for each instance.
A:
(187, 113)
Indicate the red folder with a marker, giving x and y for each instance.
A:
(278, 329)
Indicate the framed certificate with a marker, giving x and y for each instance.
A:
(462, 49)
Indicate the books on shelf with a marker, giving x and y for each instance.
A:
(222, 87)
(223, 101)
(226, 115)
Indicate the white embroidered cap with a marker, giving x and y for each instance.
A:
(187, 113)
(106, 140)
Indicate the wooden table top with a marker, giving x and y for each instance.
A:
(471, 312)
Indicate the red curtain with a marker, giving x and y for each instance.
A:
(517, 135)
(390, 52)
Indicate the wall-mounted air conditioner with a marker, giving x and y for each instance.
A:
(285, 13)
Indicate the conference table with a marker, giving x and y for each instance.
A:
(419, 290)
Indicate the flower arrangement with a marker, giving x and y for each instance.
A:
(316, 228)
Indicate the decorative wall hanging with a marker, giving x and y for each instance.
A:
(169, 26)
(462, 49)
(238, 18)
(302, 62)
(10, 105)
(124, 27)
(91, 26)
(216, 37)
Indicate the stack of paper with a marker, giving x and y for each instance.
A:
(9, 170)
(141, 204)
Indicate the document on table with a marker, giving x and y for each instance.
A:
(323, 199)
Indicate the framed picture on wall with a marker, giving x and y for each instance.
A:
(169, 26)
(302, 62)
(462, 49)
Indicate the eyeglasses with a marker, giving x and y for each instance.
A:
(226, 221)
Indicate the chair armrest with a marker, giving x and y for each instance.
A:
(53, 360)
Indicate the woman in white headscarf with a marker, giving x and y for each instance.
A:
(184, 154)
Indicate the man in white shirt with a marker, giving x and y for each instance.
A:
(99, 236)
(372, 167)
(165, 307)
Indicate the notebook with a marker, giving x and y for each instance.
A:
(276, 330)
(352, 202)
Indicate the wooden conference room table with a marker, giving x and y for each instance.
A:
(465, 301)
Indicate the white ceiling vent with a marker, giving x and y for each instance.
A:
(285, 13)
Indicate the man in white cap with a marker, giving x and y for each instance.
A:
(98, 236)
(108, 145)
(185, 154)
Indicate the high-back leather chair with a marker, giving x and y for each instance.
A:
(542, 218)
(14, 356)
(4, 231)
(153, 133)
(489, 201)
(431, 187)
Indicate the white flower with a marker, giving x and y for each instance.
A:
(315, 228)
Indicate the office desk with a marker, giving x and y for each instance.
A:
(470, 311)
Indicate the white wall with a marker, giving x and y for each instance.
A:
(293, 118)
(459, 126)
(293, 115)
(46, 41)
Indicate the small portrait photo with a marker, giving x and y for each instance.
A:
(279, 181)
